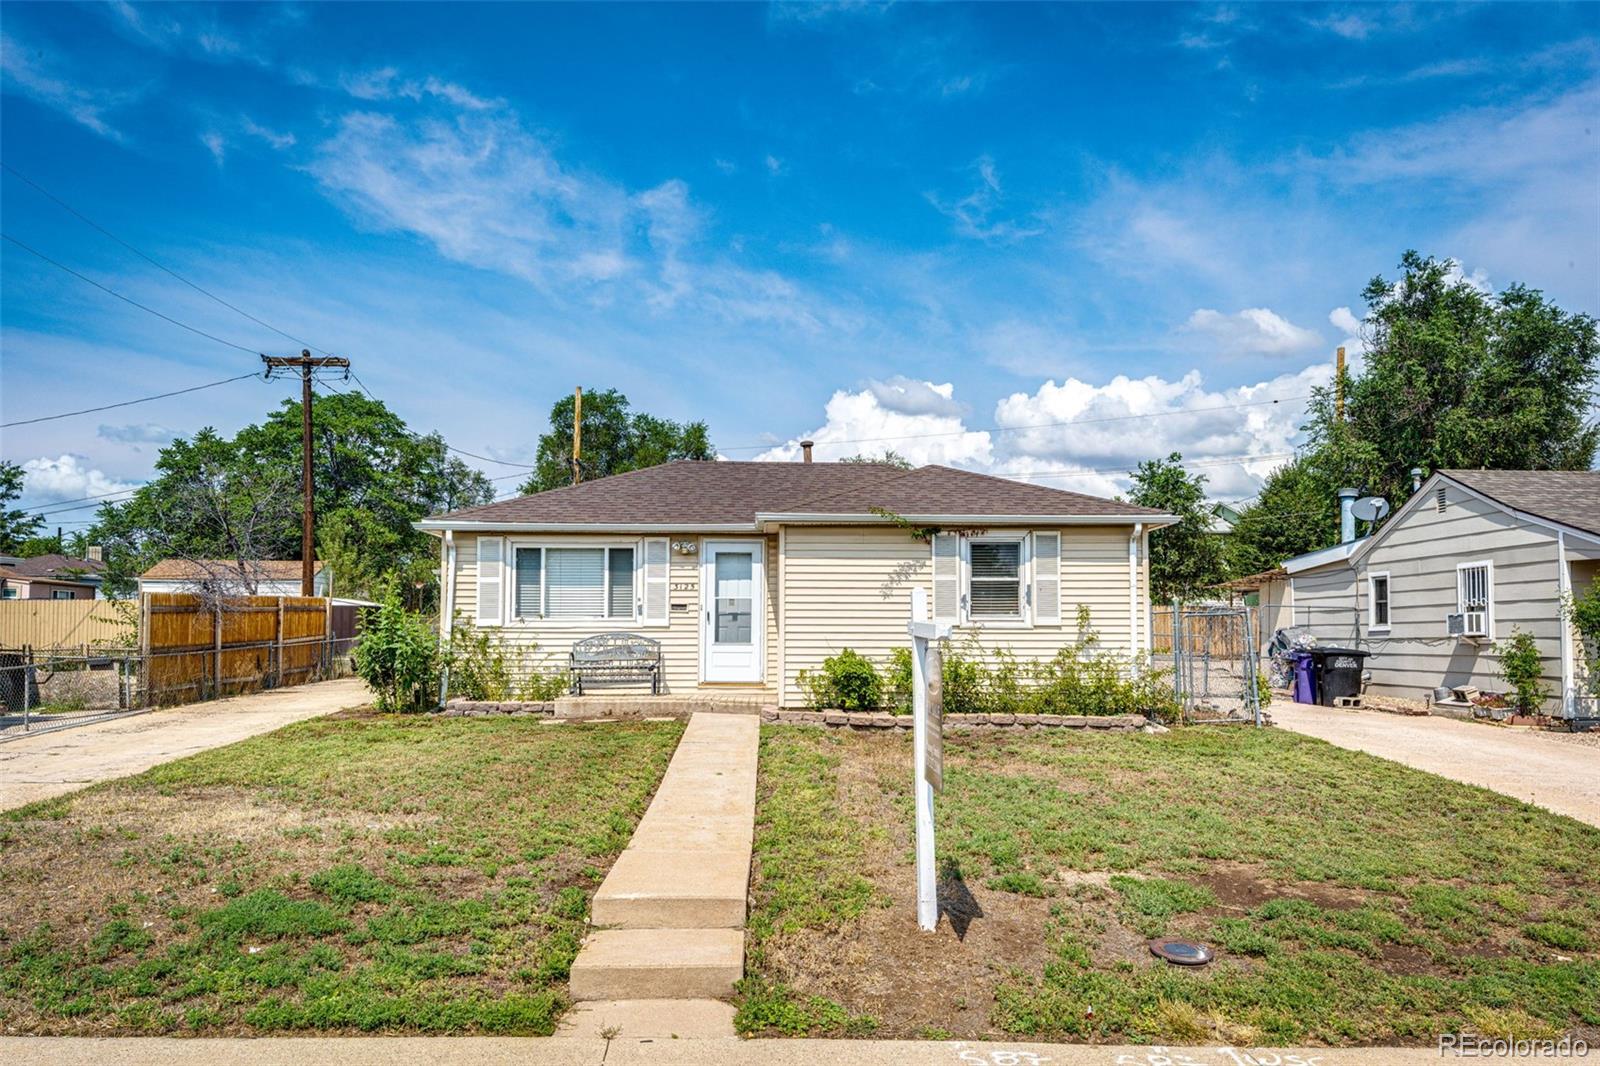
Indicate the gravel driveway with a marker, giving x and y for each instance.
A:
(1559, 772)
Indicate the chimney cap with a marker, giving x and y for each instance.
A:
(805, 450)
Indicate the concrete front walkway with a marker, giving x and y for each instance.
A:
(65, 760)
(1558, 773)
(668, 942)
(514, 1051)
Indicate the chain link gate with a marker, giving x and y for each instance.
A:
(1214, 655)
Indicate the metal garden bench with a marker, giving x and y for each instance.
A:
(616, 657)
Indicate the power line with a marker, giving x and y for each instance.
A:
(449, 447)
(84, 506)
(86, 220)
(1041, 425)
(77, 499)
(128, 403)
(126, 299)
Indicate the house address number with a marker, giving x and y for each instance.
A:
(683, 586)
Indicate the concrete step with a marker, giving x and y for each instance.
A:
(648, 1019)
(674, 889)
(658, 964)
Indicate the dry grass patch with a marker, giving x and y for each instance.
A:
(353, 873)
(1350, 900)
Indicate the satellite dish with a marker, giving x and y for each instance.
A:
(1370, 508)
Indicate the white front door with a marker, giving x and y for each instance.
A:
(732, 594)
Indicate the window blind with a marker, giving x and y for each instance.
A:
(575, 580)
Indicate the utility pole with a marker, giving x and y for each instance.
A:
(577, 434)
(306, 363)
(1338, 385)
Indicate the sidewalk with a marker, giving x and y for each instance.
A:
(519, 1051)
(1558, 773)
(65, 760)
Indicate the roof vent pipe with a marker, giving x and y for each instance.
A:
(805, 450)
(1416, 478)
(1347, 518)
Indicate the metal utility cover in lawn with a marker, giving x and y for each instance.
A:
(1181, 952)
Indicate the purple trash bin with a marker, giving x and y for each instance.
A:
(1305, 678)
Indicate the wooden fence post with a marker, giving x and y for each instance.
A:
(280, 643)
(216, 692)
(148, 664)
(327, 637)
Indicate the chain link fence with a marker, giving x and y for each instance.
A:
(1213, 652)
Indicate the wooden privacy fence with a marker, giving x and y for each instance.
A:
(65, 623)
(192, 652)
(1217, 636)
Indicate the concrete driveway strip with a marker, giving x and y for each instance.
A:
(65, 760)
(506, 1051)
(1558, 773)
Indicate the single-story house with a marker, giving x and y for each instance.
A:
(1470, 556)
(51, 577)
(272, 577)
(748, 573)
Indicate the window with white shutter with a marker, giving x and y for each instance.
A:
(656, 569)
(491, 580)
(994, 579)
(1047, 578)
(946, 577)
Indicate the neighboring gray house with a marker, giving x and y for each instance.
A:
(1472, 554)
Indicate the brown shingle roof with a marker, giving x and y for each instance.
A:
(1570, 497)
(691, 493)
(48, 566)
(200, 569)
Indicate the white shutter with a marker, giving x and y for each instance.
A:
(1047, 578)
(946, 577)
(656, 565)
(491, 579)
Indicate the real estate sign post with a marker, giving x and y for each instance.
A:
(927, 710)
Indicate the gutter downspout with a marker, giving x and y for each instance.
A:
(1564, 594)
(447, 612)
(1133, 588)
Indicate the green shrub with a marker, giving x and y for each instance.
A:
(847, 681)
(477, 664)
(399, 658)
(1521, 668)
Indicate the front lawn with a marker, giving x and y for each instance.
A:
(1350, 900)
(357, 872)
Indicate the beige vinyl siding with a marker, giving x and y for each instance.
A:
(680, 638)
(1421, 554)
(850, 587)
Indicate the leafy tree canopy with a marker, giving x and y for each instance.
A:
(16, 525)
(890, 457)
(373, 478)
(1185, 559)
(616, 439)
(1453, 377)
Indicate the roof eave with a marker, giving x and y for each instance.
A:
(770, 520)
(440, 525)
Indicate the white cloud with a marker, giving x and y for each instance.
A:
(859, 423)
(35, 74)
(976, 215)
(1354, 343)
(137, 433)
(216, 144)
(1253, 331)
(1350, 26)
(909, 396)
(277, 140)
(68, 477)
(387, 83)
(775, 166)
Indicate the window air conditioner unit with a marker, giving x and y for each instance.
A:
(1455, 625)
(1467, 624)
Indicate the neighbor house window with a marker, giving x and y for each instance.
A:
(61, 594)
(8, 593)
(994, 578)
(573, 583)
(1475, 598)
(1378, 601)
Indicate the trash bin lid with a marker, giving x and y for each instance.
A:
(1324, 651)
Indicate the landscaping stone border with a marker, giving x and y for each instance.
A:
(484, 709)
(1124, 723)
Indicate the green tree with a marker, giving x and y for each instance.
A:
(373, 479)
(1186, 558)
(615, 440)
(16, 525)
(890, 457)
(1458, 378)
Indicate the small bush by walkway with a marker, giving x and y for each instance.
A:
(1351, 900)
(362, 872)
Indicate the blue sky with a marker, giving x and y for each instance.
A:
(983, 235)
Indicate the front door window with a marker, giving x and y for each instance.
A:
(734, 595)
